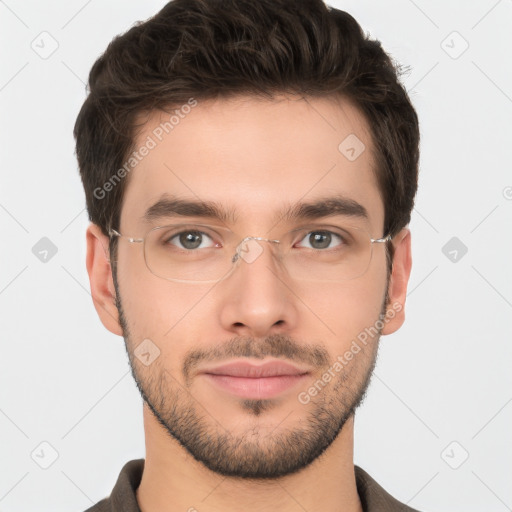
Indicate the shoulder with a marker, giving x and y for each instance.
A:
(102, 506)
(123, 497)
(374, 498)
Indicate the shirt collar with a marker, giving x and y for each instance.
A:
(123, 498)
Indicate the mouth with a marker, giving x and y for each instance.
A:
(255, 388)
(247, 380)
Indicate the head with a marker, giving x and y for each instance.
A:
(253, 109)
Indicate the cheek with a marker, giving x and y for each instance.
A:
(156, 312)
(153, 307)
(341, 311)
(169, 314)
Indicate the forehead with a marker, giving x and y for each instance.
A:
(253, 156)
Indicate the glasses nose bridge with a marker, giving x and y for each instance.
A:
(246, 252)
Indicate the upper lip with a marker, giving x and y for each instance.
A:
(246, 369)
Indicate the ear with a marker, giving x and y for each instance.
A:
(401, 270)
(100, 278)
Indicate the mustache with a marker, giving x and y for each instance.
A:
(276, 345)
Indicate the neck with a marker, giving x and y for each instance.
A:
(173, 480)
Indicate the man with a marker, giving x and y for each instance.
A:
(250, 170)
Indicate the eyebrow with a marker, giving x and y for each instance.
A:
(170, 206)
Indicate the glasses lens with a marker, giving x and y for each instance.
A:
(188, 252)
(334, 253)
(200, 253)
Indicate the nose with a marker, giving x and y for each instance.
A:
(256, 298)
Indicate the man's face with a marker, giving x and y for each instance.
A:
(254, 158)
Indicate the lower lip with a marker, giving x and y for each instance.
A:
(256, 388)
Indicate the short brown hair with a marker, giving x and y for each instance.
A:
(208, 49)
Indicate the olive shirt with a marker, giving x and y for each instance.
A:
(122, 499)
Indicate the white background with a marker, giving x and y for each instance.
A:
(444, 377)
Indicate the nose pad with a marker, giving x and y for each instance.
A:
(249, 249)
